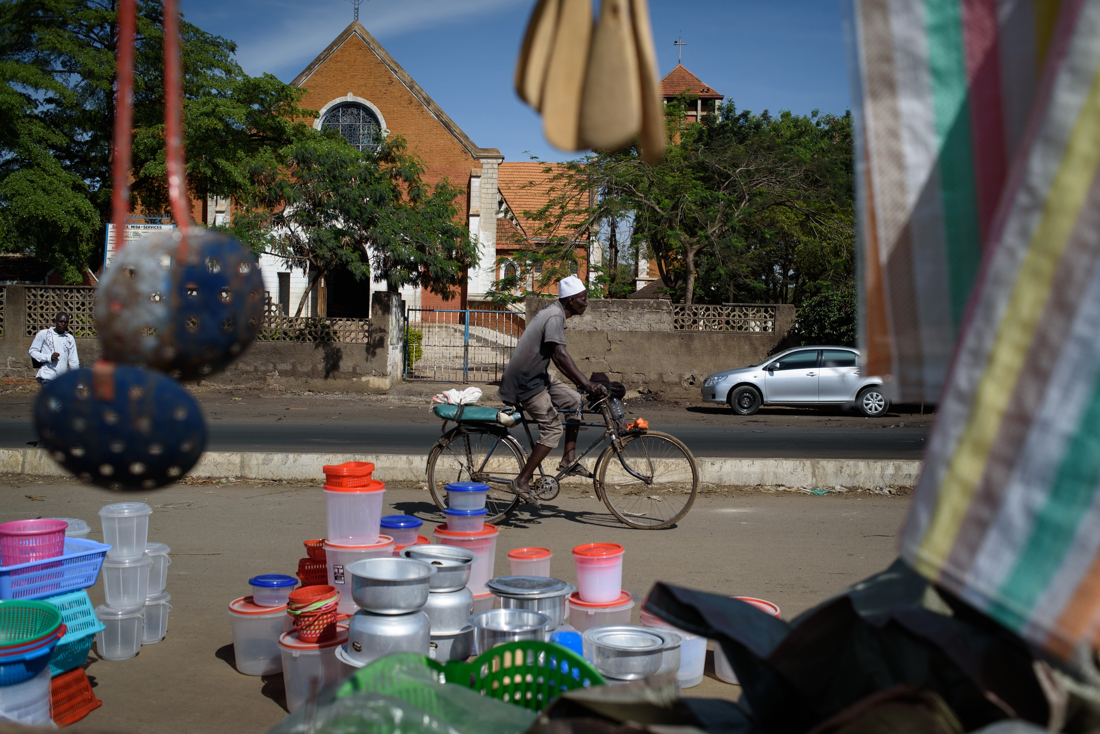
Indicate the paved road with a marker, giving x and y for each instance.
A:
(786, 442)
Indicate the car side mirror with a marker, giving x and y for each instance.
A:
(772, 367)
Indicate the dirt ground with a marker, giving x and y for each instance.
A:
(412, 401)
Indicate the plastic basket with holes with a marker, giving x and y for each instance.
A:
(71, 698)
(527, 674)
(79, 616)
(312, 573)
(75, 569)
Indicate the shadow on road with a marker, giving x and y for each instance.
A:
(525, 516)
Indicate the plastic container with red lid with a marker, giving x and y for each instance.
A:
(354, 513)
(309, 667)
(584, 615)
(483, 544)
(256, 633)
(722, 667)
(338, 556)
(420, 540)
(348, 474)
(599, 571)
(530, 561)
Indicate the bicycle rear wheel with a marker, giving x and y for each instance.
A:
(476, 456)
(664, 488)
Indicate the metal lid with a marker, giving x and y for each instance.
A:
(529, 587)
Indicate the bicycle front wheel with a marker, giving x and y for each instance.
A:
(651, 482)
(475, 456)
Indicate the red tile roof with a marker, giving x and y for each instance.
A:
(681, 80)
(526, 187)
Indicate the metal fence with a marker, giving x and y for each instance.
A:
(279, 328)
(745, 317)
(459, 345)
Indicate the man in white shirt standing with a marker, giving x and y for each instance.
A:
(54, 350)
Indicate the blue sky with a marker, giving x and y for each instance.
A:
(762, 54)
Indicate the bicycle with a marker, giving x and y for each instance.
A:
(647, 479)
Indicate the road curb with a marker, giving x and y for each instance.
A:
(851, 473)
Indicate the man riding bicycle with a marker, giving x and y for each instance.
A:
(528, 384)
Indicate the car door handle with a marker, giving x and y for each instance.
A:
(809, 374)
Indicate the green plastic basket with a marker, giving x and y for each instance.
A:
(527, 674)
(23, 621)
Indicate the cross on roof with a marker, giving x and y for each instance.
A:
(356, 3)
(679, 44)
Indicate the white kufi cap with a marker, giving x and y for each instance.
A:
(570, 285)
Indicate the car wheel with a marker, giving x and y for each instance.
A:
(871, 402)
(745, 400)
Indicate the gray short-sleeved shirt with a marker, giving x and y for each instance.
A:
(526, 375)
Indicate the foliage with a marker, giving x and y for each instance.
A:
(57, 64)
(333, 207)
(828, 318)
(744, 208)
(414, 346)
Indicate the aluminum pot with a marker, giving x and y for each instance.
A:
(452, 564)
(498, 626)
(372, 636)
(449, 611)
(452, 645)
(534, 594)
(625, 653)
(390, 585)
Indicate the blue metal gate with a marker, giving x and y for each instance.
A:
(459, 345)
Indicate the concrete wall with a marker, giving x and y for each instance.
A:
(369, 367)
(634, 342)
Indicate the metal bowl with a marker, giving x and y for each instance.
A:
(498, 626)
(452, 565)
(390, 585)
(625, 653)
(534, 594)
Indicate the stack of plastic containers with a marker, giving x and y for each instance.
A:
(29, 631)
(157, 599)
(339, 556)
(466, 509)
(599, 600)
(125, 580)
(404, 529)
(693, 651)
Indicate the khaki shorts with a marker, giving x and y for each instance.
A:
(541, 407)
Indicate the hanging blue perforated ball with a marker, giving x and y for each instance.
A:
(187, 308)
(121, 428)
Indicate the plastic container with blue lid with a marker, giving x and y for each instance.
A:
(466, 521)
(402, 528)
(271, 589)
(467, 495)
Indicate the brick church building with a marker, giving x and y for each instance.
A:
(359, 89)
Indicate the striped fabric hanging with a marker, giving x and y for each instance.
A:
(1007, 513)
(945, 89)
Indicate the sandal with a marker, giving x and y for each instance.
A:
(576, 471)
(528, 496)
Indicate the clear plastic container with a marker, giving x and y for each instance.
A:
(722, 667)
(482, 544)
(599, 571)
(586, 615)
(158, 572)
(467, 495)
(693, 651)
(339, 557)
(27, 702)
(271, 589)
(420, 540)
(125, 528)
(120, 638)
(484, 602)
(354, 513)
(156, 618)
(76, 529)
(530, 561)
(126, 581)
(404, 529)
(256, 632)
(308, 667)
(466, 521)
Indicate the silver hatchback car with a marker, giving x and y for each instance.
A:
(799, 376)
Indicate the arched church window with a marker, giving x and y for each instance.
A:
(356, 123)
(510, 270)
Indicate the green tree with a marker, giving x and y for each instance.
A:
(743, 207)
(57, 62)
(333, 207)
(828, 318)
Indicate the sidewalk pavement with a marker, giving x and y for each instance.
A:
(722, 472)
